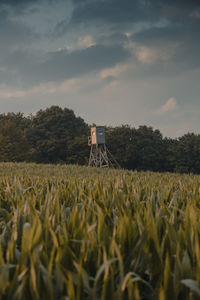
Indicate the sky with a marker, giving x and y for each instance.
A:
(113, 62)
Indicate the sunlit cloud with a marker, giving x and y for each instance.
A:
(86, 42)
(151, 55)
(82, 43)
(67, 86)
(169, 106)
(115, 71)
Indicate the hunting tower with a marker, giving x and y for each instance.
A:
(99, 152)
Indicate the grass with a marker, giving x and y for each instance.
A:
(69, 232)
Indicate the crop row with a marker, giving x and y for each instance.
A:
(75, 233)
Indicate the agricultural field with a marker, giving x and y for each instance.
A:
(77, 233)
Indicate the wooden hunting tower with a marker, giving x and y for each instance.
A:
(99, 152)
(98, 135)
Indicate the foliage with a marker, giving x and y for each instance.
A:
(56, 135)
(140, 149)
(70, 232)
(78, 151)
(11, 140)
(52, 131)
(189, 149)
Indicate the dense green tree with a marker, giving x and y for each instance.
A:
(22, 122)
(149, 149)
(140, 149)
(188, 154)
(117, 140)
(170, 154)
(78, 151)
(52, 132)
(14, 146)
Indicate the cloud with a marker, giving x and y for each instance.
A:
(147, 55)
(17, 3)
(151, 55)
(86, 42)
(169, 106)
(13, 33)
(114, 71)
(16, 44)
(65, 87)
(161, 30)
(69, 89)
(173, 48)
(129, 11)
(83, 42)
(106, 12)
(80, 62)
(154, 45)
(63, 64)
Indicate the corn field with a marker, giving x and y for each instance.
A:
(77, 233)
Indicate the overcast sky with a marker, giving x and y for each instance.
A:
(113, 62)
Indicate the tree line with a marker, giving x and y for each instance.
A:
(56, 135)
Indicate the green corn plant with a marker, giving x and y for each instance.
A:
(80, 233)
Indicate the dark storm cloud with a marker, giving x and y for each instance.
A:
(129, 11)
(111, 11)
(180, 26)
(13, 33)
(17, 7)
(155, 35)
(114, 38)
(63, 65)
(23, 3)
(17, 2)
(14, 36)
(21, 7)
(186, 36)
(186, 41)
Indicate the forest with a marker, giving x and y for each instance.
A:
(56, 135)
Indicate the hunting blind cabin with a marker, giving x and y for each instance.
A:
(100, 156)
